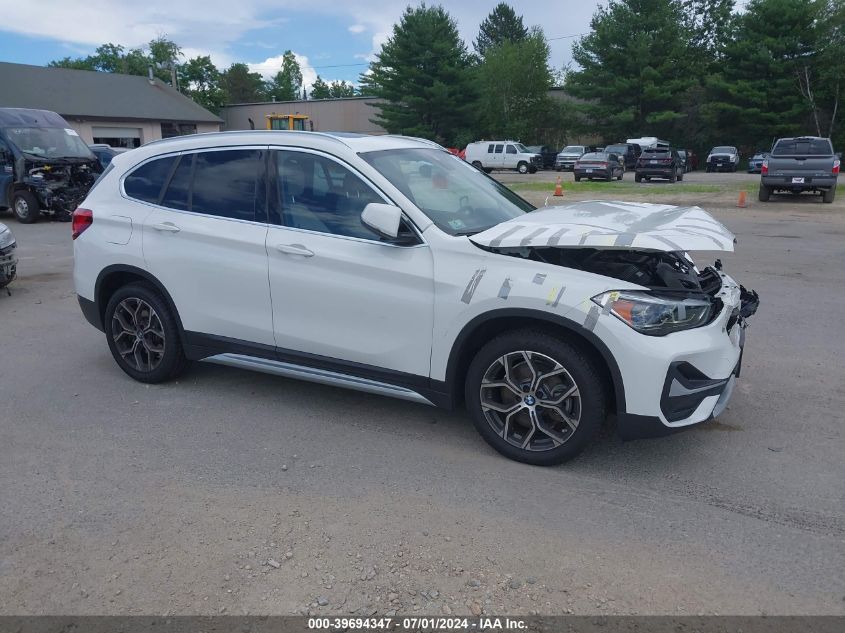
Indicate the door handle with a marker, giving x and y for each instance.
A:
(167, 227)
(294, 249)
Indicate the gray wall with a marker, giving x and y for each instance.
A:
(328, 115)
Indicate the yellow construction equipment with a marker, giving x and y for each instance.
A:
(286, 121)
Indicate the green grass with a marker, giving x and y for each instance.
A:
(645, 189)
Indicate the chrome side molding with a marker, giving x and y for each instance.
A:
(321, 376)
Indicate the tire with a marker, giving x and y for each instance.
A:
(681, 176)
(162, 331)
(619, 177)
(488, 170)
(25, 207)
(638, 178)
(522, 350)
(829, 195)
(522, 167)
(707, 169)
(558, 168)
(577, 178)
(673, 176)
(477, 165)
(764, 193)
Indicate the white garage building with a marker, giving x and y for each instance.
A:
(119, 110)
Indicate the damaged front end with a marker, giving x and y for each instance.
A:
(60, 186)
(8, 260)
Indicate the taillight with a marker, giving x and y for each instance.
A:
(81, 220)
(836, 168)
(764, 168)
(602, 164)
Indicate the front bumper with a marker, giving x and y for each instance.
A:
(565, 163)
(8, 264)
(685, 378)
(720, 165)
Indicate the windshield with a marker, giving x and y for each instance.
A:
(456, 196)
(573, 149)
(48, 142)
(617, 149)
(724, 149)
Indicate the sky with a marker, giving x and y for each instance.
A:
(332, 38)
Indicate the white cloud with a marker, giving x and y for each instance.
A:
(270, 66)
(357, 28)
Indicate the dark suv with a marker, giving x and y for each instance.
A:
(659, 162)
(629, 152)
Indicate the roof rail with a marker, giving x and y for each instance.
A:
(233, 132)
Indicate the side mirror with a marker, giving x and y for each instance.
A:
(382, 219)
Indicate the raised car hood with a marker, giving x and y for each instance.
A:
(606, 224)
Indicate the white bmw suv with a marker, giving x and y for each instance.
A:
(386, 264)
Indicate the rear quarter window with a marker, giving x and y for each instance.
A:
(146, 182)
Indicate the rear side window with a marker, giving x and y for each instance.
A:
(490, 149)
(147, 181)
(225, 183)
(499, 148)
(178, 194)
(807, 147)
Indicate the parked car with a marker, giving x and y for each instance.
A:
(805, 163)
(490, 155)
(44, 165)
(105, 153)
(755, 163)
(722, 158)
(602, 165)
(566, 158)
(658, 162)
(8, 261)
(387, 265)
(548, 155)
(627, 152)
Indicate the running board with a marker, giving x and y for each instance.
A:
(312, 374)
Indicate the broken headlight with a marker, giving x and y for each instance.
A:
(653, 314)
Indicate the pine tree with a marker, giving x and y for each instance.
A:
(320, 89)
(422, 72)
(502, 25)
(286, 85)
(242, 86)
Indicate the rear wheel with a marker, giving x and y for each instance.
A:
(681, 175)
(477, 165)
(26, 207)
(535, 398)
(764, 193)
(143, 334)
(673, 176)
(577, 178)
(829, 195)
(638, 178)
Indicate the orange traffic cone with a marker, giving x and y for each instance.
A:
(741, 203)
(558, 187)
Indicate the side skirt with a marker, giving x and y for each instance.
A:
(322, 376)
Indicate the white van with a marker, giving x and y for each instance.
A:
(490, 155)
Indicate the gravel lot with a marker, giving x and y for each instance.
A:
(235, 492)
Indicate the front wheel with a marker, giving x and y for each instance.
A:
(522, 168)
(143, 334)
(535, 398)
(26, 207)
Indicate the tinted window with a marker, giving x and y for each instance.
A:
(146, 182)
(572, 149)
(511, 149)
(318, 194)
(656, 153)
(499, 149)
(490, 149)
(617, 149)
(178, 194)
(808, 147)
(226, 183)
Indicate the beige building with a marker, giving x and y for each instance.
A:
(349, 114)
(118, 110)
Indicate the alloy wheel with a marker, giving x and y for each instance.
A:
(530, 400)
(138, 334)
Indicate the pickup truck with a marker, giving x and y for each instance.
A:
(805, 163)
